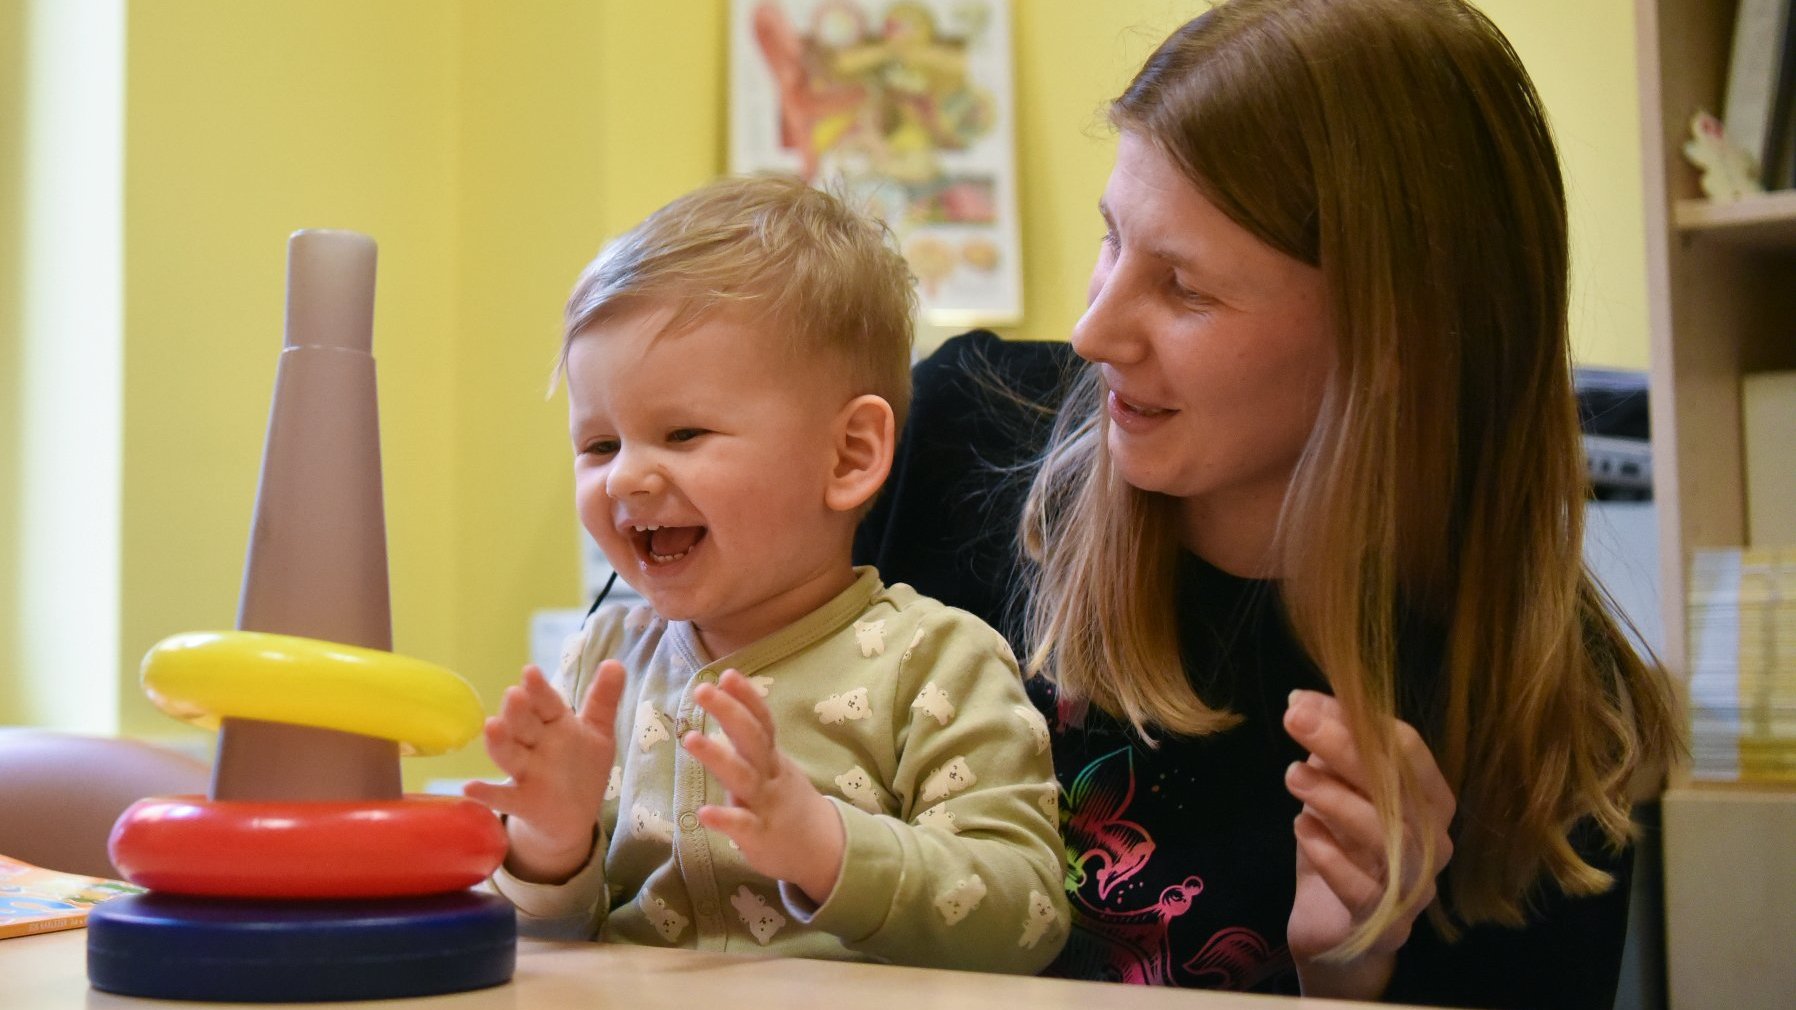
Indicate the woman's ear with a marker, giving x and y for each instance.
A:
(866, 435)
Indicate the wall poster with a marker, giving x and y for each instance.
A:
(905, 107)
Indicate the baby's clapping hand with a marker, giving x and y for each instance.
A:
(782, 824)
(559, 761)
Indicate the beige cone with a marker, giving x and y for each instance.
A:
(317, 563)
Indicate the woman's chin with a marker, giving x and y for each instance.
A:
(1142, 477)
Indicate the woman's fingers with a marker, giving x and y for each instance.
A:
(1435, 791)
(1319, 853)
(1357, 890)
(1347, 814)
(1353, 823)
(1318, 722)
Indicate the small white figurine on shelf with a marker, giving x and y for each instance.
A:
(1728, 173)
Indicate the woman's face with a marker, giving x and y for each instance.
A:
(1214, 350)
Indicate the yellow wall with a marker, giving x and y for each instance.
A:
(490, 147)
(576, 122)
(1072, 56)
(245, 122)
(1581, 56)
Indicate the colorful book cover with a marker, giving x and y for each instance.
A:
(36, 900)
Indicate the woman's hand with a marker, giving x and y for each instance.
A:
(559, 761)
(1341, 870)
(782, 824)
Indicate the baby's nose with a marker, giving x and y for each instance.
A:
(634, 473)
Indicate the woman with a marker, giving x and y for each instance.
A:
(1336, 706)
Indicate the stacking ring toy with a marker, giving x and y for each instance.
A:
(167, 946)
(336, 849)
(203, 677)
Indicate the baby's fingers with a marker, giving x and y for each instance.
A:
(752, 737)
(544, 701)
(737, 776)
(743, 690)
(500, 796)
(739, 824)
(599, 708)
(503, 747)
(518, 715)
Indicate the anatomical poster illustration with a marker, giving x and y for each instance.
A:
(904, 107)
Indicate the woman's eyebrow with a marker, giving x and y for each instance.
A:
(1163, 253)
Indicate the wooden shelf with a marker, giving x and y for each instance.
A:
(1729, 924)
(1762, 220)
(1758, 787)
(1721, 283)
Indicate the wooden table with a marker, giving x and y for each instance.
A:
(49, 972)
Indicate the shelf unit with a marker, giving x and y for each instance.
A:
(1722, 285)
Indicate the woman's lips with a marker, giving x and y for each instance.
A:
(1135, 418)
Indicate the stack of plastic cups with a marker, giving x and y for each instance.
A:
(307, 874)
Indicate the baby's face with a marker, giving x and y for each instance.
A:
(700, 466)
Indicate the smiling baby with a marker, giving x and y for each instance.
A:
(779, 753)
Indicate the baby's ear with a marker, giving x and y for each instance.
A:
(866, 435)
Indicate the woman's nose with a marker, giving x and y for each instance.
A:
(633, 472)
(1109, 331)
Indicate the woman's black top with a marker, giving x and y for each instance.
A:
(1180, 857)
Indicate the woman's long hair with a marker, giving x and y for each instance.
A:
(1399, 146)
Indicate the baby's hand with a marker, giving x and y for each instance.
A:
(559, 761)
(783, 825)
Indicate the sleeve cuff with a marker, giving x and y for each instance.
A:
(872, 868)
(578, 895)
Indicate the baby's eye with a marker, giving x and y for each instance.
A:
(684, 434)
(600, 447)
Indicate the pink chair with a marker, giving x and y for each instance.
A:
(60, 793)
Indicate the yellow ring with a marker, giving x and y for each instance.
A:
(204, 676)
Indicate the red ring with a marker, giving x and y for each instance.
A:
(338, 849)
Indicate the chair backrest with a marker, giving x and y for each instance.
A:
(60, 793)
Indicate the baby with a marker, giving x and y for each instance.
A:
(780, 752)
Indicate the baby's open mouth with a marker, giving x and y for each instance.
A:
(663, 545)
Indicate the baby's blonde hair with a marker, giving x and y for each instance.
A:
(800, 260)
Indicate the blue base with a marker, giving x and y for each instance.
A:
(167, 946)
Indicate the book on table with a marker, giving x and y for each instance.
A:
(37, 900)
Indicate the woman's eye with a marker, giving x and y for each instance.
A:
(1194, 299)
(684, 434)
(1110, 239)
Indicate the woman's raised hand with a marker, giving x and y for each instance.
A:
(1341, 867)
(559, 760)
